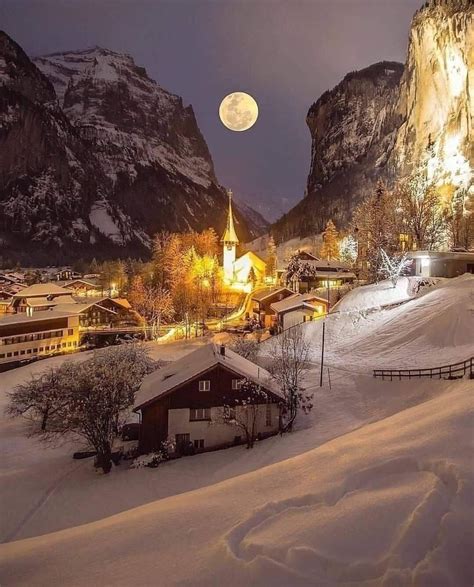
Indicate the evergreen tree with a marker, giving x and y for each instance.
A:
(271, 265)
(330, 248)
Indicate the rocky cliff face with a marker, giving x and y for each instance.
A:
(379, 122)
(96, 156)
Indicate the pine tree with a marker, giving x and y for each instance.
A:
(330, 247)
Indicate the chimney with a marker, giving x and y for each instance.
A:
(222, 350)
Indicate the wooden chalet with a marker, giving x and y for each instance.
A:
(181, 401)
(263, 300)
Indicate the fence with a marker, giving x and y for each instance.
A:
(454, 371)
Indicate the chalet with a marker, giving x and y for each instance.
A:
(441, 264)
(45, 333)
(262, 302)
(306, 272)
(40, 297)
(299, 308)
(181, 401)
(102, 312)
(83, 287)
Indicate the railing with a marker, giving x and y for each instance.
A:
(454, 371)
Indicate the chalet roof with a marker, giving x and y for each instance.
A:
(297, 301)
(87, 282)
(78, 308)
(42, 315)
(42, 289)
(263, 295)
(444, 255)
(163, 381)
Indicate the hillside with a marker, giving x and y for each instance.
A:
(390, 460)
(96, 158)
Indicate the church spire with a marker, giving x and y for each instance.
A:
(230, 236)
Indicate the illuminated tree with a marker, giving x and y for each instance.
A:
(153, 302)
(330, 247)
(421, 206)
(394, 266)
(348, 249)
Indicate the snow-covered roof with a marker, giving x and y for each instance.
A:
(43, 289)
(263, 295)
(77, 308)
(445, 255)
(42, 315)
(296, 301)
(163, 381)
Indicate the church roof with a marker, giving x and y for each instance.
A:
(230, 235)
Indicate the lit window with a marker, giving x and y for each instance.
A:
(204, 385)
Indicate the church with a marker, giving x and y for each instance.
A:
(239, 272)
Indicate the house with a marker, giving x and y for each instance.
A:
(44, 333)
(40, 297)
(102, 312)
(441, 264)
(299, 308)
(263, 300)
(181, 401)
(83, 287)
(306, 272)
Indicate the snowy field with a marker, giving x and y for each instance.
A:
(374, 488)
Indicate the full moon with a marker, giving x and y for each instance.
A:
(238, 111)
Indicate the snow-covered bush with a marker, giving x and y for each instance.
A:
(245, 347)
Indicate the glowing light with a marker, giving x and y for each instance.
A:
(238, 111)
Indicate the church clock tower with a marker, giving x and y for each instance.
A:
(230, 242)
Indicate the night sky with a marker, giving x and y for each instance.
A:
(284, 53)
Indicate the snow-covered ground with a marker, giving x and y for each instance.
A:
(374, 488)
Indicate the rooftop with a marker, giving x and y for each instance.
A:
(43, 289)
(162, 381)
(298, 300)
(22, 318)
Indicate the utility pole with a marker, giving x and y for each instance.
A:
(322, 355)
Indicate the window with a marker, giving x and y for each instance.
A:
(268, 415)
(15, 354)
(70, 332)
(199, 443)
(204, 385)
(2, 356)
(199, 414)
(236, 383)
(22, 352)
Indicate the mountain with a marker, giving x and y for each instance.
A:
(379, 122)
(96, 157)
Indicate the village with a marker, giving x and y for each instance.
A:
(236, 294)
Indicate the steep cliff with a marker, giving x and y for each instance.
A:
(99, 158)
(386, 120)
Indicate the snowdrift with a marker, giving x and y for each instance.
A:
(428, 331)
(340, 514)
(378, 295)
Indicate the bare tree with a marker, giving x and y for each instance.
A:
(92, 399)
(290, 352)
(42, 397)
(421, 207)
(394, 266)
(244, 412)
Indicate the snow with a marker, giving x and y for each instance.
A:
(377, 295)
(100, 218)
(373, 488)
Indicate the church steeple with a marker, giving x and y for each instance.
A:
(230, 242)
(230, 236)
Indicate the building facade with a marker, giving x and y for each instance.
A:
(186, 402)
(24, 337)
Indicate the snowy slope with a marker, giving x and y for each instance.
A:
(428, 331)
(343, 512)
